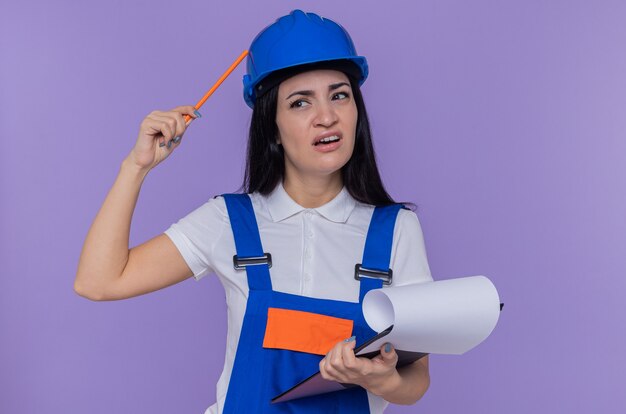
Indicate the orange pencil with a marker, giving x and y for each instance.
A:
(218, 83)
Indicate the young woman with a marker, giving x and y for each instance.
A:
(314, 231)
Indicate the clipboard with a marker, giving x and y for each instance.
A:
(315, 384)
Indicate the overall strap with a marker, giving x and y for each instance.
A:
(377, 252)
(248, 242)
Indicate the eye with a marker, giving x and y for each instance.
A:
(340, 96)
(299, 103)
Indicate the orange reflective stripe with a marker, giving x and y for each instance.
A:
(304, 331)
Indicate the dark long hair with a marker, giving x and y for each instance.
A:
(265, 163)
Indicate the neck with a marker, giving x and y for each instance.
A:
(313, 192)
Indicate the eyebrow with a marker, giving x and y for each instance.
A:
(331, 87)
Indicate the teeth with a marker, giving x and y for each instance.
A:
(329, 139)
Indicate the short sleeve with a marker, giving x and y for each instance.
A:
(196, 235)
(408, 257)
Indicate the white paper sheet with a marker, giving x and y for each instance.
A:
(443, 317)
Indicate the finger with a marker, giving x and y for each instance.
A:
(155, 127)
(182, 112)
(180, 125)
(331, 372)
(187, 110)
(168, 124)
(327, 371)
(335, 356)
(190, 113)
(350, 361)
(388, 354)
(323, 370)
(162, 125)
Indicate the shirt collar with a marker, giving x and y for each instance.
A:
(282, 206)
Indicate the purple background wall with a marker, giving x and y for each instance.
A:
(504, 121)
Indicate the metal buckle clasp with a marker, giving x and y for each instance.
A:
(241, 262)
(385, 275)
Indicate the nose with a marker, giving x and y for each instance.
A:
(326, 115)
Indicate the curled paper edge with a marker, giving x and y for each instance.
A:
(446, 317)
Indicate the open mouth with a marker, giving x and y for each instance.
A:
(327, 140)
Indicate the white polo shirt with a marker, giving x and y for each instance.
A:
(313, 250)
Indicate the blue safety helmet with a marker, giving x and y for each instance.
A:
(299, 39)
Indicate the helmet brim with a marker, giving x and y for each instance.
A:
(353, 66)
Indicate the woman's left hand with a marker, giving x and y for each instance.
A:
(375, 375)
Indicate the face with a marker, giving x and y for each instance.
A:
(316, 117)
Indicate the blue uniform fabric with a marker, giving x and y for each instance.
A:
(259, 374)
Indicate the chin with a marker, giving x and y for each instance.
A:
(333, 165)
(330, 170)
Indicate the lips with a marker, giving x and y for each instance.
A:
(329, 147)
(327, 138)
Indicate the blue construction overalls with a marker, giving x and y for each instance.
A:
(261, 373)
